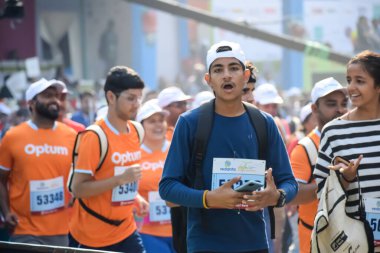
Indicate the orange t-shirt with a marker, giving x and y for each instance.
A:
(157, 223)
(38, 161)
(302, 172)
(123, 150)
(169, 133)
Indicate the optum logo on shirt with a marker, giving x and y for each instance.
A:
(38, 150)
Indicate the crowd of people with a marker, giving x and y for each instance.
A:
(159, 174)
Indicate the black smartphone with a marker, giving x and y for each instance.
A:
(249, 186)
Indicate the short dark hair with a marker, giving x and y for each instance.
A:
(121, 78)
(370, 61)
(249, 65)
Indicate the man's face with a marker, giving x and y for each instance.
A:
(271, 108)
(47, 104)
(330, 107)
(175, 109)
(127, 103)
(227, 78)
(87, 103)
(248, 93)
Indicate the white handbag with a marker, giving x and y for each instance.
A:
(335, 230)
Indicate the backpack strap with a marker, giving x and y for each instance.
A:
(312, 153)
(205, 121)
(260, 125)
(139, 129)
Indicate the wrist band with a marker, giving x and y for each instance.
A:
(204, 199)
(349, 181)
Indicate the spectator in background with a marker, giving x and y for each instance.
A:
(251, 84)
(201, 98)
(86, 114)
(329, 101)
(35, 159)
(5, 113)
(174, 101)
(307, 118)
(156, 230)
(62, 110)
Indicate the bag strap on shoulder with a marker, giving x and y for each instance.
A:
(312, 153)
(260, 125)
(205, 121)
(139, 129)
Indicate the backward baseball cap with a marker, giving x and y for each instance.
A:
(37, 87)
(224, 49)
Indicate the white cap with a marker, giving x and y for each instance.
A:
(224, 49)
(201, 98)
(267, 94)
(149, 108)
(305, 112)
(41, 85)
(4, 109)
(325, 87)
(170, 95)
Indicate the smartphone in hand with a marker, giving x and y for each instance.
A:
(249, 186)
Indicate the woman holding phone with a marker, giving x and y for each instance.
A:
(351, 143)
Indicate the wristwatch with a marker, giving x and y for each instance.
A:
(281, 199)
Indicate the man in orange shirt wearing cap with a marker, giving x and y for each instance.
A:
(35, 159)
(329, 101)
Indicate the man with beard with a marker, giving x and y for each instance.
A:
(329, 101)
(107, 190)
(35, 158)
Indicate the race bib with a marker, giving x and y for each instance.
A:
(158, 210)
(224, 169)
(123, 194)
(372, 209)
(46, 196)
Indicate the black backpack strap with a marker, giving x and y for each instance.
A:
(205, 121)
(99, 216)
(260, 125)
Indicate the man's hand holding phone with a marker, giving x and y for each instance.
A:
(258, 200)
(249, 186)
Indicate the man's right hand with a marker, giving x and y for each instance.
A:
(11, 221)
(131, 174)
(225, 196)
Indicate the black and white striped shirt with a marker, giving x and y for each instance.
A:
(349, 139)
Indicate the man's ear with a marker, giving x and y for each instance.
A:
(314, 108)
(247, 73)
(111, 97)
(207, 78)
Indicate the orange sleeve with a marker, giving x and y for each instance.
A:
(88, 153)
(6, 160)
(300, 164)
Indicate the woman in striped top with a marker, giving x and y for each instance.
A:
(356, 135)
